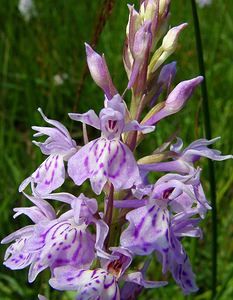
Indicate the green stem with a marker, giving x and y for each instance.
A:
(207, 126)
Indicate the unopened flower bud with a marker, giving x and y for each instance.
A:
(167, 74)
(163, 6)
(99, 72)
(133, 22)
(168, 46)
(141, 42)
(148, 10)
(175, 101)
(169, 43)
(181, 93)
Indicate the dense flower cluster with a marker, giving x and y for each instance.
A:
(91, 251)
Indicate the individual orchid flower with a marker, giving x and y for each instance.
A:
(175, 259)
(101, 283)
(106, 158)
(55, 242)
(153, 228)
(17, 255)
(183, 193)
(90, 284)
(184, 159)
(59, 146)
(198, 149)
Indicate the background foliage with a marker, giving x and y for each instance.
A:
(52, 43)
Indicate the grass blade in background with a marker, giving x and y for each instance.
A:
(207, 127)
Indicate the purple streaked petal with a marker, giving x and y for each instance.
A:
(49, 176)
(58, 141)
(122, 168)
(25, 231)
(62, 243)
(89, 118)
(183, 275)
(147, 230)
(89, 162)
(102, 160)
(90, 284)
(19, 261)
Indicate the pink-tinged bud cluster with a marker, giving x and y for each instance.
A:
(90, 246)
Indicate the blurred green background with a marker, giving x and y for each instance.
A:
(32, 53)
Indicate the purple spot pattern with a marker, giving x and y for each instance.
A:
(104, 160)
(90, 284)
(147, 230)
(50, 175)
(64, 243)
